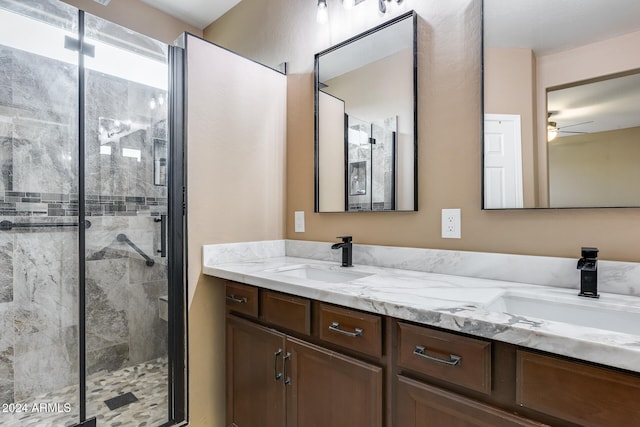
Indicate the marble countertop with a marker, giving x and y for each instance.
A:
(452, 302)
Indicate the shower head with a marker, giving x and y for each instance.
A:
(102, 2)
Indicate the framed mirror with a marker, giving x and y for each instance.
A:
(561, 104)
(365, 121)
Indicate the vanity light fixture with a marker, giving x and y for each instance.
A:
(156, 101)
(322, 15)
(382, 5)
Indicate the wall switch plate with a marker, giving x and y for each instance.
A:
(451, 228)
(299, 221)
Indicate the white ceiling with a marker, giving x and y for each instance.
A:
(199, 13)
(595, 107)
(553, 26)
(548, 26)
(366, 50)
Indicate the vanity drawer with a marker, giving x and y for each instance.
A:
(287, 311)
(242, 298)
(459, 360)
(583, 394)
(352, 329)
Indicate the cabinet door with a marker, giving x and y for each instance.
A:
(583, 394)
(328, 389)
(255, 391)
(421, 405)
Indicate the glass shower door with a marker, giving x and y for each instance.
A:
(86, 227)
(38, 214)
(125, 198)
(358, 164)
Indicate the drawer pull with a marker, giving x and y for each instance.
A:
(335, 327)
(453, 360)
(277, 375)
(233, 298)
(285, 378)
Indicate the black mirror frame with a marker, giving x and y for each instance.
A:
(414, 16)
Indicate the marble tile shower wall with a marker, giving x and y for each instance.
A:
(39, 267)
(39, 311)
(38, 141)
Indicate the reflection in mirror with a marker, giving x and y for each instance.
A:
(365, 121)
(159, 161)
(597, 148)
(561, 104)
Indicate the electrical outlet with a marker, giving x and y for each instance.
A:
(299, 221)
(451, 228)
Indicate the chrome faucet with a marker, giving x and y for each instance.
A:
(347, 250)
(588, 266)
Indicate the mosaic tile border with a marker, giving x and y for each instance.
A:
(22, 203)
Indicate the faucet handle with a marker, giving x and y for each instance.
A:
(589, 252)
(345, 239)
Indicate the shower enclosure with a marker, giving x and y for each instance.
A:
(370, 164)
(91, 283)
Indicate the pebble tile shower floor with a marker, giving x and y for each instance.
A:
(147, 381)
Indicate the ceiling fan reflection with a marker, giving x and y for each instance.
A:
(553, 130)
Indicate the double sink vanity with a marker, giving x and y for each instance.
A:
(408, 335)
(417, 337)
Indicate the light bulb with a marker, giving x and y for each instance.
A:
(552, 131)
(382, 7)
(323, 14)
(391, 6)
(348, 4)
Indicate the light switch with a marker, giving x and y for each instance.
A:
(299, 221)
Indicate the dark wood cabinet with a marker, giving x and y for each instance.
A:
(330, 389)
(242, 298)
(255, 393)
(350, 329)
(580, 393)
(286, 311)
(422, 405)
(453, 358)
(276, 380)
(294, 362)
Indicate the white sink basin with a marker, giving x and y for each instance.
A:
(321, 274)
(610, 314)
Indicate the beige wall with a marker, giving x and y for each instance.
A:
(516, 82)
(331, 153)
(377, 91)
(586, 62)
(449, 156)
(138, 16)
(235, 190)
(449, 135)
(510, 88)
(595, 169)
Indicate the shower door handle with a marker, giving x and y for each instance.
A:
(163, 235)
